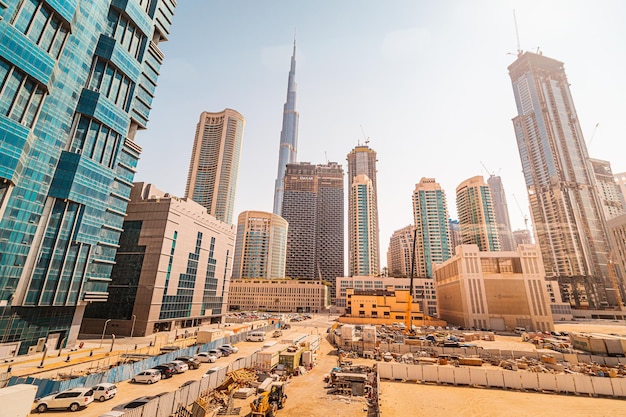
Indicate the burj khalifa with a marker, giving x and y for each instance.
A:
(288, 136)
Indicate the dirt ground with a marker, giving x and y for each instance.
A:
(308, 397)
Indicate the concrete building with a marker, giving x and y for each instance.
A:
(288, 148)
(362, 161)
(313, 205)
(455, 235)
(172, 269)
(430, 214)
(279, 295)
(424, 293)
(609, 191)
(617, 233)
(494, 290)
(620, 180)
(363, 256)
(261, 246)
(214, 164)
(400, 252)
(476, 216)
(565, 207)
(501, 210)
(386, 306)
(77, 81)
(522, 237)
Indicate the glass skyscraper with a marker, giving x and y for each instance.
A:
(565, 208)
(77, 80)
(476, 216)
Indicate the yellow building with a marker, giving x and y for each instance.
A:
(495, 290)
(384, 307)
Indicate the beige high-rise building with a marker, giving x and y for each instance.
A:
(495, 290)
(476, 215)
(172, 269)
(261, 245)
(400, 252)
(609, 190)
(214, 165)
(362, 161)
(363, 237)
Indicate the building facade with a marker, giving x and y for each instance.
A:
(501, 211)
(620, 180)
(565, 209)
(77, 80)
(455, 235)
(424, 293)
(288, 149)
(214, 165)
(313, 205)
(477, 218)
(432, 238)
(386, 306)
(400, 252)
(608, 189)
(279, 295)
(172, 269)
(261, 246)
(494, 290)
(522, 237)
(362, 161)
(617, 233)
(363, 255)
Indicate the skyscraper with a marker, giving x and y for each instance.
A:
(362, 161)
(313, 205)
(564, 203)
(476, 216)
(400, 252)
(260, 245)
(432, 238)
(214, 165)
(288, 136)
(608, 189)
(364, 234)
(77, 80)
(501, 210)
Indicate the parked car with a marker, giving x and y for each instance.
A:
(235, 349)
(206, 357)
(167, 370)
(212, 371)
(71, 399)
(137, 402)
(277, 333)
(180, 366)
(225, 351)
(192, 363)
(216, 352)
(149, 376)
(104, 391)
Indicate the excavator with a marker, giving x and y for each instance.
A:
(268, 403)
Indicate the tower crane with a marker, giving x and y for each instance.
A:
(522, 212)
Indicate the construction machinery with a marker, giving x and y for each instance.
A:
(268, 403)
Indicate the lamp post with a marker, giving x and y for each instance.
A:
(132, 329)
(104, 330)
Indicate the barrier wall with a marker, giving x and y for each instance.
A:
(502, 378)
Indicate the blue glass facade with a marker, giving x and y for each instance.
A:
(76, 82)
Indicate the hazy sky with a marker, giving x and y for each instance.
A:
(425, 81)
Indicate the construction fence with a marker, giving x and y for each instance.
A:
(505, 379)
(127, 371)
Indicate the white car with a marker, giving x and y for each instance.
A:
(180, 366)
(71, 399)
(235, 349)
(149, 376)
(206, 357)
(104, 391)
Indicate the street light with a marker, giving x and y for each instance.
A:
(132, 329)
(104, 330)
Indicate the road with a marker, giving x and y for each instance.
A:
(127, 391)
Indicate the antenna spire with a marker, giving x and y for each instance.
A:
(519, 49)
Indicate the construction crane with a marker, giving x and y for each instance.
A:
(491, 173)
(593, 135)
(522, 212)
(409, 304)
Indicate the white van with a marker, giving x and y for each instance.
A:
(256, 336)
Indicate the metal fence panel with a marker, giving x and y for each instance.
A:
(462, 376)
(529, 380)
(446, 375)
(602, 386)
(150, 409)
(547, 381)
(583, 384)
(414, 373)
(430, 373)
(399, 371)
(384, 370)
(478, 376)
(619, 386)
(565, 383)
(512, 380)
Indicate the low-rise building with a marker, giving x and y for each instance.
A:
(386, 307)
(280, 295)
(494, 290)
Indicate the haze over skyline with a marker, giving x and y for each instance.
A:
(427, 84)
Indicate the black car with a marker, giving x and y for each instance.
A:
(137, 402)
(225, 351)
(191, 362)
(167, 371)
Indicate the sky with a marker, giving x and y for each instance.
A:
(425, 82)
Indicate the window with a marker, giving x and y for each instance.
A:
(20, 95)
(40, 24)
